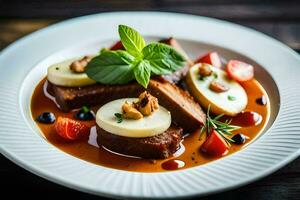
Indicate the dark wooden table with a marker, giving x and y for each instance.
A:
(279, 19)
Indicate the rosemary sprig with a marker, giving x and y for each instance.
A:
(224, 129)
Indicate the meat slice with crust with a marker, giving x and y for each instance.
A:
(156, 147)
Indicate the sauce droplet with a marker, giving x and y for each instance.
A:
(261, 101)
(247, 118)
(172, 164)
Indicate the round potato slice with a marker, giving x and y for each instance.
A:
(60, 74)
(148, 126)
(229, 102)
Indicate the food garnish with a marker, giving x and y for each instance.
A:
(231, 98)
(85, 114)
(130, 112)
(223, 129)
(71, 129)
(218, 87)
(205, 70)
(239, 138)
(78, 66)
(46, 118)
(119, 117)
(138, 62)
(145, 106)
(240, 71)
(211, 58)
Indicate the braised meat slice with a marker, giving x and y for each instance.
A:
(184, 110)
(177, 76)
(155, 147)
(69, 98)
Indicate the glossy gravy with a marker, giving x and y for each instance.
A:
(189, 155)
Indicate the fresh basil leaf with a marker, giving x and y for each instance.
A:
(111, 67)
(131, 40)
(163, 58)
(142, 73)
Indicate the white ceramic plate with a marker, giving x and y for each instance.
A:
(24, 63)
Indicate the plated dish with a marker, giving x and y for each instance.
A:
(149, 107)
(25, 141)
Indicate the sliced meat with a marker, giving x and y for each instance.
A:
(155, 147)
(177, 76)
(184, 109)
(69, 98)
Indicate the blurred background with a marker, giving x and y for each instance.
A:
(277, 18)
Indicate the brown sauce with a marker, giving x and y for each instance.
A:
(189, 153)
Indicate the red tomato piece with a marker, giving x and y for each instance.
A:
(71, 129)
(215, 145)
(117, 46)
(240, 71)
(248, 118)
(211, 58)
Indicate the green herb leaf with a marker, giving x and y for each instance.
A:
(138, 62)
(163, 58)
(231, 98)
(142, 73)
(215, 75)
(111, 67)
(222, 128)
(85, 109)
(119, 117)
(202, 78)
(131, 40)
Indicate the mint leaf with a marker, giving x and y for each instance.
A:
(142, 73)
(111, 67)
(138, 62)
(131, 40)
(163, 58)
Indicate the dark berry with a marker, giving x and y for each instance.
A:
(239, 138)
(46, 118)
(85, 114)
(261, 101)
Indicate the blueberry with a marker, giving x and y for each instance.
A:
(46, 118)
(239, 138)
(261, 101)
(84, 114)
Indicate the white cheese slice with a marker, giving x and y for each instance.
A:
(148, 126)
(230, 102)
(60, 74)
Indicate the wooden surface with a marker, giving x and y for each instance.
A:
(279, 19)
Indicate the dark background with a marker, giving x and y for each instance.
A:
(279, 19)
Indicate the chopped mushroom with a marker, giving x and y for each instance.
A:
(147, 103)
(78, 66)
(145, 106)
(205, 70)
(130, 112)
(218, 87)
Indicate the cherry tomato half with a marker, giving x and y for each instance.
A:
(211, 58)
(215, 145)
(239, 71)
